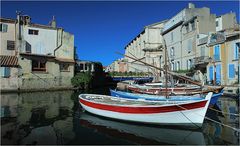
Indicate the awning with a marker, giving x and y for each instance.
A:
(9, 61)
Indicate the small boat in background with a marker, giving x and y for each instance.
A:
(162, 90)
(190, 113)
(128, 95)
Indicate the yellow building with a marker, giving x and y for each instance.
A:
(224, 58)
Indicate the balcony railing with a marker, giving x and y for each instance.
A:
(201, 60)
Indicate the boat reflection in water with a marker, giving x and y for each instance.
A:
(139, 133)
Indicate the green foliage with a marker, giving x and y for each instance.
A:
(81, 79)
(182, 71)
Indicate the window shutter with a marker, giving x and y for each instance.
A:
(7, 72)
(5, 26)
(236, 51)
(211, 73)
(2, 71)
(231, 71)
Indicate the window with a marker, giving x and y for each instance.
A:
(172, 51)
(10, 45)
(236, 50)
(33, 32)
(178, 65)
(5, 72)
(86, 67)
(189, 64)
(192, 25)
(28, 47)
(231, 71)
(3, 27)
(190, 45)
(81, 66)
(216, 52)
(38, 65)
(64, 67)
(203, 51)
(216, 23)
(172, 36)
(172, 66)
(187, 28)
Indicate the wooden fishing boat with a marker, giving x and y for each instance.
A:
(142, 134)
(158, 90)
(166, 112)
(148, 97)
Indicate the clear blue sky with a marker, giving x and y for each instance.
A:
(102, 28)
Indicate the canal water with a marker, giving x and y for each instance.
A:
(57, 118)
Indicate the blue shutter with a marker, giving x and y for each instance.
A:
(216, 52)
(231, 71)
(5, 72)
(211, 73)
(236, 48)
(218, 73)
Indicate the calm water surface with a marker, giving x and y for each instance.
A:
(57, 118)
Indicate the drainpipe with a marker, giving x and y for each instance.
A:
(57, 42)
(18, 47)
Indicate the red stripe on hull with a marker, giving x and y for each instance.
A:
(144, 110)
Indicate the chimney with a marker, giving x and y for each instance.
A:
(27, 19)
(191, 5)
(53, 23)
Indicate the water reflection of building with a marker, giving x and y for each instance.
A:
(39, 118)
(227, 105)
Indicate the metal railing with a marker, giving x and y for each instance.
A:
(201, 59)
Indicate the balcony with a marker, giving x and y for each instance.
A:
(201, 60)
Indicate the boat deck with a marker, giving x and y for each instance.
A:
(121, 101)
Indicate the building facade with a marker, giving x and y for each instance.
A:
(45, 55)
(181, 33)
(8, 54)
(147, 47)
(223, 67)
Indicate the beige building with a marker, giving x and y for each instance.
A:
(8, 54)
(147, 47)
(45, 55)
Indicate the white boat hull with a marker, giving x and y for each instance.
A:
(191, 114)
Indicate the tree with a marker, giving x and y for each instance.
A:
(81, 80)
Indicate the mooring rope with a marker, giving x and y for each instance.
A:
(224, 112)
(233, 128)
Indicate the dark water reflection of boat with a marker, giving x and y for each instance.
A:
(142, 134)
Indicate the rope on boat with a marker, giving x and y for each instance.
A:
(224, 112)
(233, 128)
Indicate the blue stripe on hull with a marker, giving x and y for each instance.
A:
(162, 98)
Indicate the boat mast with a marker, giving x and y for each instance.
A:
(166, 68)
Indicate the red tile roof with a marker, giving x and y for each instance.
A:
(9, 61)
